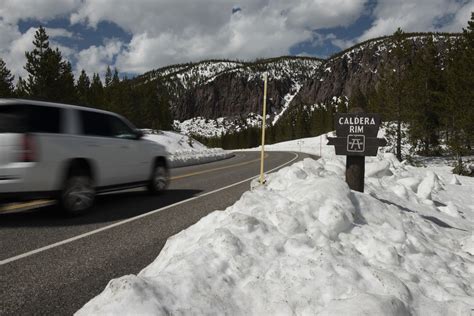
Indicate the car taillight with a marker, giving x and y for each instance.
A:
(28, 150)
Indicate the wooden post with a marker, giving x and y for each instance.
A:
(355, 170)
(262, 156)
(355, 167)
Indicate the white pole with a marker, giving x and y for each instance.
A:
(321, 145)
(262, 156)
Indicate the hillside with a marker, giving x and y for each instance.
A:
(211, 97)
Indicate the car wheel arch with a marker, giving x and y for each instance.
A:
(76, 165)
(160, 160)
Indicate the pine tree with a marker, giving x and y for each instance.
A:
(115, 78)
(108, 77)
(49, 76)
(6, 81)
(394, 87)
(83, 88)
(111, 90)
(122, 97)
(460, 93)
(427, 88)
(66, 82)
(165, 117)
(96, 97)
(21, 89)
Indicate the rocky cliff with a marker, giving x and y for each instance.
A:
(358, 67)
(229, 89)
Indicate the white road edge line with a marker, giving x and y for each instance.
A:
(92, 232)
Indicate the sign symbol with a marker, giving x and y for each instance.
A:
(355, 143)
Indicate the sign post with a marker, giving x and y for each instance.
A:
(300, 142)
(356, 137)
(264, 116)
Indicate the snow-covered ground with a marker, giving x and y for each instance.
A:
(305, 244)
(216, 127)
(185, 151)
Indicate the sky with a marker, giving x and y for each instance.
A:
(141, 35)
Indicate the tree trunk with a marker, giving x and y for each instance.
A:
(399, 140)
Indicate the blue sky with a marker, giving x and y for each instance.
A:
(143, 35)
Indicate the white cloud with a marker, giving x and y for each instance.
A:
(16, 44)
(15, 55)
(238, 39)
(8, 32)
(11, 11)
(461, 17)
(95, 59)
(323, 14)
(342, 44)
(172, 31)
(417, 16)
(58, 32)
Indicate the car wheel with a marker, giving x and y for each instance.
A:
(78, 194)
(159, 178)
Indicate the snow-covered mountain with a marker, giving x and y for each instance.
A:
(212, 96)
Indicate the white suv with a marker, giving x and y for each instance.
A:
(70, 153)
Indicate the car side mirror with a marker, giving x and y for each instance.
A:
(139, 134)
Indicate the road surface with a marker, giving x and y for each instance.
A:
(53, 265)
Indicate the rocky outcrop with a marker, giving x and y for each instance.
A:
(214, 89)
(357, 68)
(231, 95)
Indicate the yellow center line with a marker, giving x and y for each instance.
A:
(216, 169)
(38, 203)
(21, 206)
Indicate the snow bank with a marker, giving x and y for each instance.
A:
(311, 145)
(185, 151)
(306, 244)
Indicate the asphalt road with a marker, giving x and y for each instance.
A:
(53, 265)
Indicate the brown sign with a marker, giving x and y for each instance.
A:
(356, 134)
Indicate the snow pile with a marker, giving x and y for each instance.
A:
(202, 126)
(192, 157)
(306, 244)
(184, 150)
(312, 145)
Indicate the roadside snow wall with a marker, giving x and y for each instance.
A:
(185, 151)
(305, 244)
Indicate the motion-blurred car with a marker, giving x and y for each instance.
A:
(70, 153)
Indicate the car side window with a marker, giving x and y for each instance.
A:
(18, 118)
(44, 119)
(120, 129)
(105, 125)
(95, 124)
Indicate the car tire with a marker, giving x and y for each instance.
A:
(78, 194)
(159, 178)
